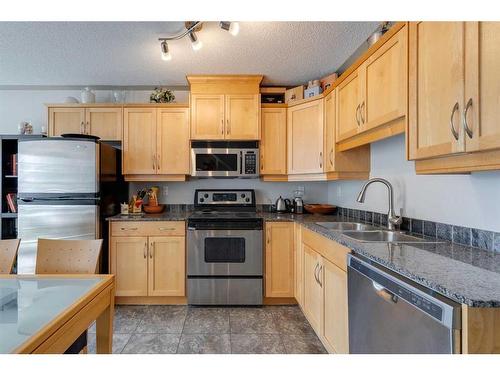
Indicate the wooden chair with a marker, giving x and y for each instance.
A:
(69, 257)
(8, 254)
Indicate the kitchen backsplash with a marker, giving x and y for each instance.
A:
(478, 238)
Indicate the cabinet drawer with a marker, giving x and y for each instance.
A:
(148, 228)
(331, 250)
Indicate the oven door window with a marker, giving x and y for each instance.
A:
(224, 250)
(217, 162)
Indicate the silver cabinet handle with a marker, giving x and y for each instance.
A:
(126, 229)
(268, 236)
(158, 161)
(453, 131)
(154, 162)
(82, 125)
(165, 228)
(145, 250)
(321, 159)
(361, 110)
(87, 128)
(319, 276)
(468, 130)
(228, 130)
(357, 114)
(331, 157)
(315, 273)
(152, 250)
(222, 126)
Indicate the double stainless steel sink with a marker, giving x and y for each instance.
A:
(369, 233)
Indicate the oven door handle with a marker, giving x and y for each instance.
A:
(241, 162)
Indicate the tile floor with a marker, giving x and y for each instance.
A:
(225, 330)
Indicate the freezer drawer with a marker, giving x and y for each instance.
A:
(69, 222)
(58, 167)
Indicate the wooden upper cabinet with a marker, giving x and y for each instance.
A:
(305, 138)
(384, 83)
(348, 107)
(273, 142)
(139, 141)
(279, 274)
(482, 86)
(335, 319)
(242, 117)
(106, 123)
(173, 147)
(166, 275)
(129, 264)
(207, 116)
(329, 138)
(66, 120)
(436, 92)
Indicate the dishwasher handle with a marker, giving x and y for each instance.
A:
(385, 294)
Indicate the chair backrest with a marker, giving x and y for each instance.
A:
(67, 256)
(8, 254)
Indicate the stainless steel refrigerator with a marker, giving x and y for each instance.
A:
(66, 188)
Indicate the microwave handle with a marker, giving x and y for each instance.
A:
(241, 163)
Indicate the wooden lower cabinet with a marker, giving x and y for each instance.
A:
(324, 289)
(313, 291)
(129, 264)
(279, 274)
(148, 265)
(167, 262)
(335, 320)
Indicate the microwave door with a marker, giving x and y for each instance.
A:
(221, 163)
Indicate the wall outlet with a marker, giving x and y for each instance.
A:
(164, 191)
(339, 192)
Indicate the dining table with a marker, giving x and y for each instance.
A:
(47, 313)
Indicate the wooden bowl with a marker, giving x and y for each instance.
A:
(153, 209)
(320, 209)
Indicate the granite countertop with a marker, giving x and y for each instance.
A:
(464, 274)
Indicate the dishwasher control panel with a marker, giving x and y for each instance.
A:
(382, 282)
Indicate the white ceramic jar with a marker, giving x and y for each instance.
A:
(87, 95)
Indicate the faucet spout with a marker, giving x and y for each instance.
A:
(393, 220)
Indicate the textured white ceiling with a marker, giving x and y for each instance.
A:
(128, 53)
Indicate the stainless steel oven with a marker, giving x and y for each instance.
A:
(225, 159)
(225, 250)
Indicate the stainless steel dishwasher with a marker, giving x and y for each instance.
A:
(391, 314)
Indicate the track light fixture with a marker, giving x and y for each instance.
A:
(232, 27)
(191, 28)
(165, 53)
(195, 42)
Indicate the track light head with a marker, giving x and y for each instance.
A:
(165, 53)
(232, 27)
(195, 42)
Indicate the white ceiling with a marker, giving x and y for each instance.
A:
(128, 53)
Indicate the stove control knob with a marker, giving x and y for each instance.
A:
(202, 200)
(243, 195)
(205, 195)
(247, 200)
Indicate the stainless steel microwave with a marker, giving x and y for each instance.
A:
(237, 159)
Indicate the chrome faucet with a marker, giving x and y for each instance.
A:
(392, 219)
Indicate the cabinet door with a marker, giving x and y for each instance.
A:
(482, 85)
(207, 116)
(173, 141)
(129, 264)
(335, 324)
(139, 141)
(329, 147)
(167, 266)
(273, 143)
(279, 260)
(106, 123)
(348, 107)
(242, 116)
(436, 88)
(299, 266)
(313, 292)
(66, 120)
(385, 83)
(305, 138)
